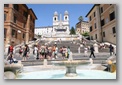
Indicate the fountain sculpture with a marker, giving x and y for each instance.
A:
(71, 65)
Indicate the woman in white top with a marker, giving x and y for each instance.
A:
(35, 51)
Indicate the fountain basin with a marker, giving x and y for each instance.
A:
(59, 74)
(14, 67)
(71, 66)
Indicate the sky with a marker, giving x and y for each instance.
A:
(45, 12)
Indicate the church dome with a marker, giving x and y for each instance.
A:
(66, 12)
(55, 13)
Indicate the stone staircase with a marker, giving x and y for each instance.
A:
(100, 59)
(73, 46)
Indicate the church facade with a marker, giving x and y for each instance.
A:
(60, 27)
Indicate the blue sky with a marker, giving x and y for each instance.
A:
(44, 12)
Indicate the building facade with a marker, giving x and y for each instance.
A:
(44, 30)
(59, 26)
(19, 23)
(102, 22)
(82, 27)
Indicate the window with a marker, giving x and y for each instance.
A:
(112, 16)
(106, 20)
(103, 34)
(91, 37)
(5, 31)
(101, 9)
(96, 36)
(25, 14)
(4, 17)
(23, 36)
(114, 30)
(95, 25)
(102, 22)
(23, 25)
(90, 18)
(16, 7)
(55, 18)
(94, 14)
(65, 18)
(14, 33)
(6, 5)
(90, 28)
(15, 19)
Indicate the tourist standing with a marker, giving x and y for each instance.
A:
(50, 52)
(56, 52)
(111, 49)
(46, 52)
(25, 54)
(115, 50)
(42, 52)
(20, 51)
(92, 51)
(10, 49)
(53, 51)
(63, 52)
(35, 51)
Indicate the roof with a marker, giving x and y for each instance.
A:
(92, 9)
(29, 9)
(25, 6)
(55, 13)
(66, 12)
(33, 12)
(82, 21)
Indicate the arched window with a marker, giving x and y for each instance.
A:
(55, 18)
(65, 18)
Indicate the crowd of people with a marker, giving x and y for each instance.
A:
(39, 52)
(50, 52)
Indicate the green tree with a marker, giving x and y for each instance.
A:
(85, 34)
(80, 19)
(72, 31)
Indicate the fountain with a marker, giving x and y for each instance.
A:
(58, 71)
(71, 65)
(11, 70)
